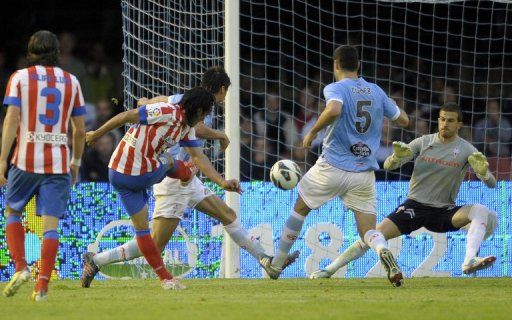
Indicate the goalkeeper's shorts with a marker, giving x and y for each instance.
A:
(412, 215)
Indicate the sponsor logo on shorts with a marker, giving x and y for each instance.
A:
(360, 150)
(408, 211)
(46, 137)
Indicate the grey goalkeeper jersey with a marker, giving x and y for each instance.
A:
(439, 169)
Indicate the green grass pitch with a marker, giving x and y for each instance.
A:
(424, 298)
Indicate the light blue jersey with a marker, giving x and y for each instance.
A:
(176, 151)
(352, 140)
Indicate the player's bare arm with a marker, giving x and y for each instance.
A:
(478, 161)
(332, 112)
(9, 133)
(144, 101)
(402, 120)
(78, 126)
(129, 116)
(205, 132)
(203, 163)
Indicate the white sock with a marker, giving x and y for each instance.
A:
(127, 251)
(241, 237)
(355, 251)
(289, 235)
(478, 216)
(375, 240)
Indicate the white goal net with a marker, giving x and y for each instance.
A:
(422, 53)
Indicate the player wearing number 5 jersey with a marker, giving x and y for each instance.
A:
(41, 100)
(353, 117)
(441, 162)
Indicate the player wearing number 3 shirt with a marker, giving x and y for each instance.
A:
(441, 162)
(353, 119)
(41, 100)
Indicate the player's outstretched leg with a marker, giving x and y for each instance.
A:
(355, 251)
(291, 230)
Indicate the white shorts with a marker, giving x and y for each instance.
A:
(172, 198)
(323, 182)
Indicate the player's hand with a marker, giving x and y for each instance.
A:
(308, 139)
(479, 163)
(231, 185)
(142, 101)
(401, 150)
(90, 138)
(3, 169)
(224, 142)
(74, 173)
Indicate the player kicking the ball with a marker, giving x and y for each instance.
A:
(173, 196)
(353, 118)
(136, 163)
(441, 162)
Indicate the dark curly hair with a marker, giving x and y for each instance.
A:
(196, 102)
(215, 78)
(43, 49)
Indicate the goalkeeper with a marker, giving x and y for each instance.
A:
(441, 162)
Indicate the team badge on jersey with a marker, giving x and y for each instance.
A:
(153, 113)
(456, 152)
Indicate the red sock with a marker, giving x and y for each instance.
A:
(16, 241)
(48, 255)
(148, 248)
(181, 170)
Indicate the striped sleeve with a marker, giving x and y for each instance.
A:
(157, 112)
(13, 91)
(78, 103)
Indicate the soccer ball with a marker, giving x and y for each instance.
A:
(285, 174)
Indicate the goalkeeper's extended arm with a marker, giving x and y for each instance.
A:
(480, 165)
(401, 154)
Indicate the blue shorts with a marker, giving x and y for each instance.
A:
(133, 189)
(52, 191)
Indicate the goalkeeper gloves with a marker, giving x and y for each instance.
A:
(401, 150)
(479, 163)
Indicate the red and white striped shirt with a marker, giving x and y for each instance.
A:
(47, 98)
(161, 126)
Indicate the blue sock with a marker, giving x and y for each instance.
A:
(289, 235)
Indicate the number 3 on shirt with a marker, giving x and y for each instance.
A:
(362, 126)
(53, 106)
